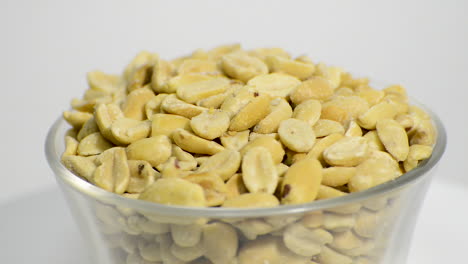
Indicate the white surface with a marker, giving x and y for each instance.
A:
(48, 46)
(49, 236)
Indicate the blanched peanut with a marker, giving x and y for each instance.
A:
(272, 145)
(181, 155)
(372, 97)
(152, 227)
(251, 114)
(344, 108)
(71, 146)
(382, 110)
(394, 138)
(294, 68)
(405, 120)
(165, 124)
(353, 130)
(224, 163)
(139, 77)
(296, 134)
(174, 191)
(325, 127)
(88, 128)
(326, 192)
(93, 144)
(308, 111)
(141, 175)
(166, 253)
(76, 118)
(397, 92)
(182, 80)
(187, 253)
(186, 235)
(134, 105)
(239, 65)
(423, 133)
(252, 200)
(210, 124)
(213, 186)
(273, 84)
(193, 92)
(262, 53)
(373, 141)
(321, 144)
(337, 176)
(346, 240)
(149, 251)
(162, 72)
(378, 168)
(348, 151)
(331, 73)
(171, 104)
(127, 130)
(281, 168)
(330, 256)
(269, 250)
(235, 140)
(258, 171)
(237, 100)
(416, 153)
(191, 143)
(367, 223)
(220, 242)
(312, 219)
(315, 88)
(82, 166)
(155, 150)
(254, 135)
(279, 110)
(344, 91)
(215, 101)
(99, 81)
(338, 222)
(175, 168)
(197, 66)
(301, 182)
(113, 174)
(105, 115)
(253, 227)
(235, 186)
(153, 106)
(305, 242)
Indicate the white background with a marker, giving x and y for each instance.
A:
(47, 47)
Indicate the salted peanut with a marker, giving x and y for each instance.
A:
(372, 96)
(182, 80)
(373, 141)
(337, 176)
(235, 186)
(191, 143)
(187, 253)
(382, 110)
(279, 110)
(76, 118)
(308, 111)
(165, 242)
(315, 88)
(99, 81)
(394, 138)
(71, 146)
(252, 200)
(88, 128)
(368, 223)
(186, 235)
(155, 150)
(312, 219)
(191, 66)
(162, 72)
(172, 105)
(281, 169)
(348, 152)
(105, 115)
(113, 174)
(326, 192)
(331, 73)
(134, 105)
(174, 191)
(296, 134)
(224, 163)
(353, 130)
(251, 114)
(213, 186)
(272, 145)
(193, 92)
(149, 251)
(127, 130)
(416, 153)
(330, 256)
(153, 106)
(262, 53)
(301, 182)
(273, 84)
(239, 65)
(344, 108)
(210, 124)
(325, 127)
(321, 144)
(252, 228)
(304, 241)
(346, 240)
(84, 167)
(220, 242)
(254, 135)
(142, 175)
(291, 67)
(338, 222)
(93, 144)
(258, 171)
(166, 124)
(235, 140)
(378, 168)
(237, 100)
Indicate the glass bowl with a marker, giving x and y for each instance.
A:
(374, 226)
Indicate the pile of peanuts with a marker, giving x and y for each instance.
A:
(245, 129)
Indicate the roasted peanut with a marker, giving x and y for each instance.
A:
(348, 151)
(239, 65)
(321, 144)
(301, 182)
(127, 130)
(296, 134)
(141, 175)
(251, 114)
(304, 241)
(262, 53)
(155, 150)
(186, 235)
(99, 81)
(82, 166)
(165, 124)
(394, 138)
(308, 111)
(252, 200)
(193, 92)
(258, 171)
(105, 115)
(134, 105)
(171, 104)
(224, 163)
(325, 127)
(76, 118)
(88, 128)
(71, 146)
(253, 227)
(331, 73)
(162, 72)
(93, 144)
(220, 242)
(279, 110)
(191, 66)
(174, 191)
(382, 110)
(254, 135)
(330, 256)
(187, 253)
(189, 142)
(153, 106)
(113, 174)
(353, 130)
(213, 186)
(416, 153)
(235, 186)
(210, 124)
(272, 145)
(315, 88)
(373, 141)
(337, 176)
(235, 140)
(273, 84)
(294, 68)
(344, 108)
(237, 100)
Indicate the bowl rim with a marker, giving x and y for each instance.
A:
(63, 175)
